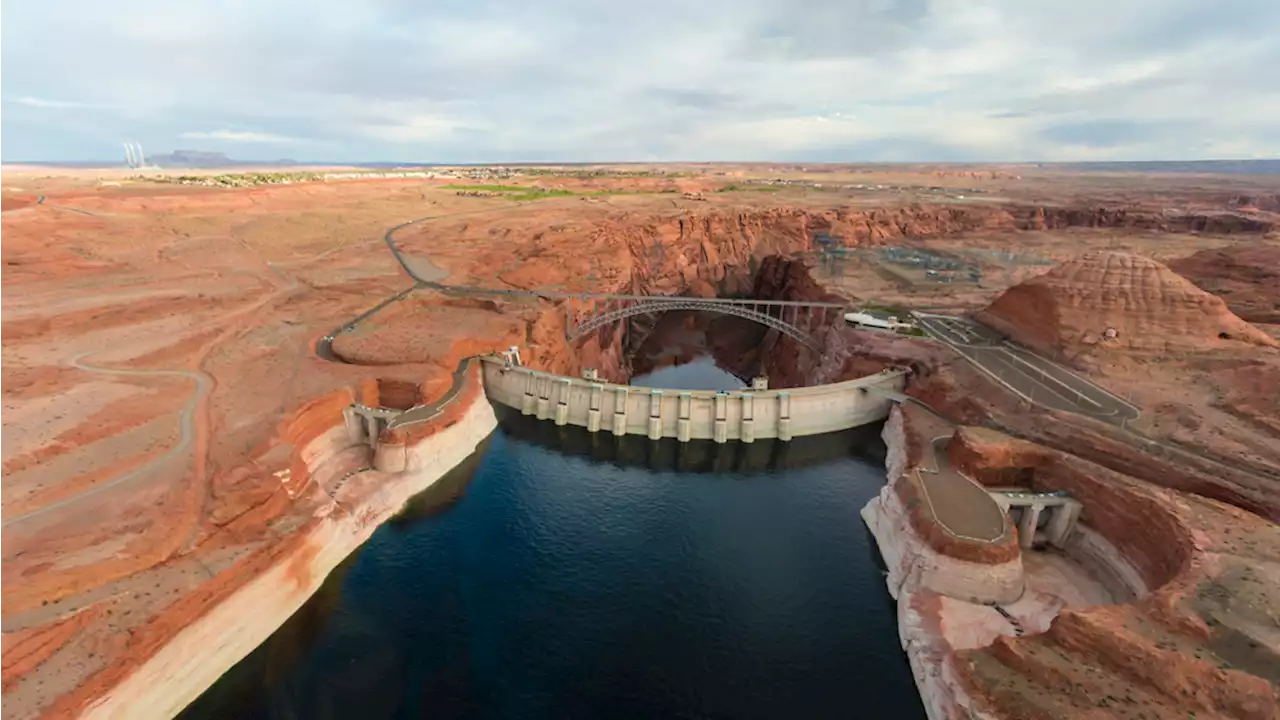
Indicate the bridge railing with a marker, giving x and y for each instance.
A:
(796, 319)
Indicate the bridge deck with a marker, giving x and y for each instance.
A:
(679, 298)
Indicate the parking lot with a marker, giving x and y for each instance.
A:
(1030, 376)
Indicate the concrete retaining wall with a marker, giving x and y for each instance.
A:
(691, 414)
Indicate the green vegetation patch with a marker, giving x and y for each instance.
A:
(898, 310)
(524, 192)
(539, 194)
(491, 188)
(748, 188)
(234, 179)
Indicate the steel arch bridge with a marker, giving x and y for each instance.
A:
(797, 320)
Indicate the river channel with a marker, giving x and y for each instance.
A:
(560, 574)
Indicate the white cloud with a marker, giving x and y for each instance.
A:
(238, 136)
(55, 104)
(666, 79)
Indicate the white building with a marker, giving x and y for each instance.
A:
(888, 322)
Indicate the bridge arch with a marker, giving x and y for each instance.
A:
(772, 316)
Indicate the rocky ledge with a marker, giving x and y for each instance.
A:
(1162, 604)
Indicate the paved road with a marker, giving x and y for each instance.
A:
(1030, 376)
(425, 413)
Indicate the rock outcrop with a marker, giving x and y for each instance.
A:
(1198, 643)
(918, 551)
(210, 631)
(1193, 637)
(1116, 301)
(1246, 277)
(1223, 223)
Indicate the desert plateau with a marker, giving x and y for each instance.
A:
(218, 386)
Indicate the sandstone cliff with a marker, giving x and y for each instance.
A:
(1117, 301)
(1200, 640)
(1192, 637)
(1246, 277)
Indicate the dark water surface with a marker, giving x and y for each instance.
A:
(568, 575)
(700, 373)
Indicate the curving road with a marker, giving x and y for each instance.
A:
(186, 431)
(186, 420)
(429, 411)
(324, 348)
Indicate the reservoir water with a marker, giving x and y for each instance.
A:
(561, 574)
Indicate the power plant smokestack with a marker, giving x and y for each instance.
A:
(134, 156)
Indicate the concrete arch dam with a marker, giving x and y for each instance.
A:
(743, 415)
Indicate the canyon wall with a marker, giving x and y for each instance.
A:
(715, 252)
(847, 352)
(919, 578)
(1193, 640)
(1173, 651)
(710, 244)
(1245, 276)
(233, 625)
(1139, 526)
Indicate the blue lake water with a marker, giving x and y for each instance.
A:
(561, 574)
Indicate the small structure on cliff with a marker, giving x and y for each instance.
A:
(365, 423)
(1062, 510)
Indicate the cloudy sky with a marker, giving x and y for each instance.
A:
(511, 80)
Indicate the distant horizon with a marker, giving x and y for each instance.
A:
(1268, 165)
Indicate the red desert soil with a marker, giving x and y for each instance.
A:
(160, 366)
(1247, 277)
